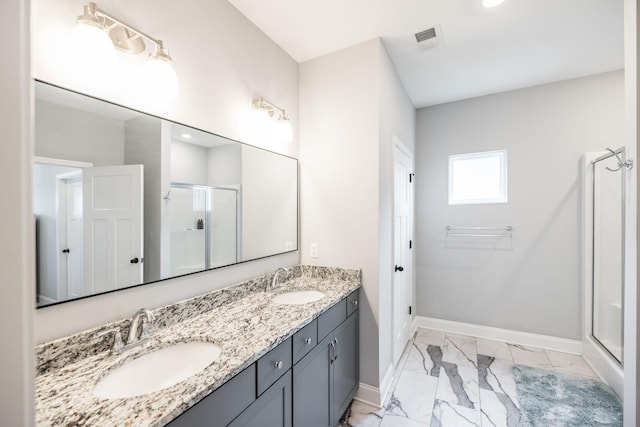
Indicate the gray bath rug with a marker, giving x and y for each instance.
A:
(552, 399)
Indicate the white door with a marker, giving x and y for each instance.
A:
(402, 257)
(69, 232)
(74, 239)
(112, 236)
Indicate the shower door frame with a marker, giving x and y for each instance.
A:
(620, 152)
(207, 237)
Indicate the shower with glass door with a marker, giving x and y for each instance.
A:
(609, 198)
(203, 225)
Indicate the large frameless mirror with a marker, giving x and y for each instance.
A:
(122, 198)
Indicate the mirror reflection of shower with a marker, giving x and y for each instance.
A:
(203, 225)
(609, 177)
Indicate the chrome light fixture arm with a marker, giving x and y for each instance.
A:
(263, 104)
(124, 36)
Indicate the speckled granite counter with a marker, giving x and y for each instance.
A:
(242, 319)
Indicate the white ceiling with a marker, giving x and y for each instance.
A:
(518, 44)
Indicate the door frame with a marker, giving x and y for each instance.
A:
(399, 146)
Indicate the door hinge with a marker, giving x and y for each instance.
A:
(409, 309)
(410, 244)
(411, 175)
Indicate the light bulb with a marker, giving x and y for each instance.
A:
(91, 57)
(253, 124)
(491, 3)
(154, 86)
(282, 132)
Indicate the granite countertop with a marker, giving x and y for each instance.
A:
(241, 319)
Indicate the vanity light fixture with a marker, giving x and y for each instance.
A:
(125, 38)
(280, 131)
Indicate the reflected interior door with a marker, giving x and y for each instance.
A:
(402, 260)
(73, 261)
(113, 224)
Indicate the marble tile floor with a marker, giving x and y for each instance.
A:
(450, 380)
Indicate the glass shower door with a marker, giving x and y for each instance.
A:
(608, 247)
(187, 227)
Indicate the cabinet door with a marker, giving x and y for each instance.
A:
(224, 404)
(345, 367)
(273, 408)
(311, 388)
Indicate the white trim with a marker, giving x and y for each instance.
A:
(369, 395)
(505, 335)
(61, 162)
(386, 383)
(45, 299)
(375, 396)
(603, 365)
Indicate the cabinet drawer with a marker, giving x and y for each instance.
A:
(272, 365)
(352, 303)
(224, 404)
(305, 340)
(330, 319)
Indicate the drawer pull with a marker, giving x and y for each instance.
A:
(307, 341)
(278, 364)
(355, 302)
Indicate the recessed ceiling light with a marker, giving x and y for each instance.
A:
(186, 136)
(491, 3)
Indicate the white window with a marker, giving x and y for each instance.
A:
(478, 178)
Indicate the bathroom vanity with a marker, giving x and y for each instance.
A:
(292, 363)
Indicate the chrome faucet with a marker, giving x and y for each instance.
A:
(274, 280)
(144, 315)
(133, 339)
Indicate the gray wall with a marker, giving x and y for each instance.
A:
(351, 106)
(144, 147)
(66, 133)
(534, 285)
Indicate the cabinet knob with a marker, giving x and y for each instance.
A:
(307, 341)
(278, 364)
(355, 302)
(134, 260)
(399, 268)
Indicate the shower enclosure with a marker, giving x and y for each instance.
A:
(203, 223)
(609, 177)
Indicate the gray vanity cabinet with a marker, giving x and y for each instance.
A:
(316, 391)
(345, 368)
(272, 408)
(223, 405)
(326, 379)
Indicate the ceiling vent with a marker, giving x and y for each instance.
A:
(429, 38)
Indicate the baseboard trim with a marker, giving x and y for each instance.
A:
(45, 300)
(387, 382)
(514, 337)
(369, 395)
(375, 396)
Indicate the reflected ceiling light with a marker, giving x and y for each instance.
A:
(278, 132)
(186, 136)
(491, 3)
(160, 75)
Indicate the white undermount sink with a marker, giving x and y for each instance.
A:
(157, 370)
(298, 297)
